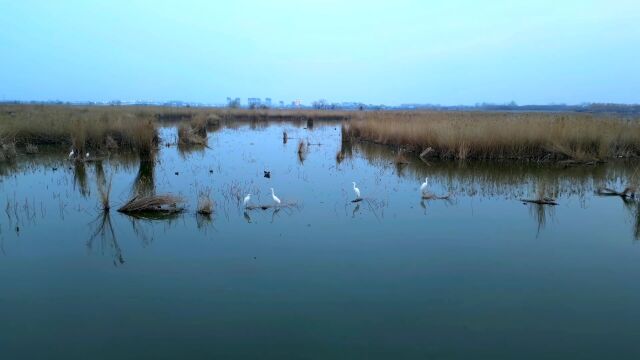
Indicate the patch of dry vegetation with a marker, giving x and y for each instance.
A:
(81, 127)
(7, 149)
(31, 149)
(104, 189)
(193, 132)
(152, 204)
(480, 135)
(400, 158)
(205, 203)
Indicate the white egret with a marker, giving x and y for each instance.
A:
(275, 198)
(356, 190)
(246, 199)
(86, 155)
(71, 154)
(424, 186)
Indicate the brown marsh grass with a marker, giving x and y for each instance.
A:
(104, 188)
(152, 204)
(127, 127)
(82, 128)
(193, 132)
(480, 135)
(7, 150)
(205, 204)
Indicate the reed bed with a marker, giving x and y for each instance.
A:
(480, 135)
(81, 128)
(130, 127)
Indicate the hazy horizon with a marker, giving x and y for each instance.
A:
(458, 53)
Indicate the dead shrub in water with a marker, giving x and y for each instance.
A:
(303, 148)
(152, 204)
(104, 188)
(205, 204)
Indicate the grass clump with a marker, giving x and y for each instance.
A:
(104, 189)
(193, 133)
(152, 204)
(7, 150)
(31, 149)
(205, 204)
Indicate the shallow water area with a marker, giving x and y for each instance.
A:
(479, 275)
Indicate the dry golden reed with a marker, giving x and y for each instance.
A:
(483, 135)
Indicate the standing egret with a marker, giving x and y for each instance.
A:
(356, 190)
(71, 154)
(86, 155)
(246, 199)
(424, 186)
(275, 198)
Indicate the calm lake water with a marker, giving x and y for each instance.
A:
(481, 276)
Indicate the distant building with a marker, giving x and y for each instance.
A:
(296, 103)
(254, 102)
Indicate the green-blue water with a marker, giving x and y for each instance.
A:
(480, 276)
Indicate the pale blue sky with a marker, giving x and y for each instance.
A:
(392, 52)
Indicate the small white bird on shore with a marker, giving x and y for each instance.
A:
(356, 190)
(71, 154)
(424, 186)
(86, 155)
(246, 199)
(275, 198)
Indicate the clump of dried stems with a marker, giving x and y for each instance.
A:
(205, 204)
(152, 203)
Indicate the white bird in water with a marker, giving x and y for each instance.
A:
(71, 154)
(275, 198)
(356, 190)
(424, 186)
(246, 199)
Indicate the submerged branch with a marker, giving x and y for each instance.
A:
(272, 206)
(543, 201)
(626, 193)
